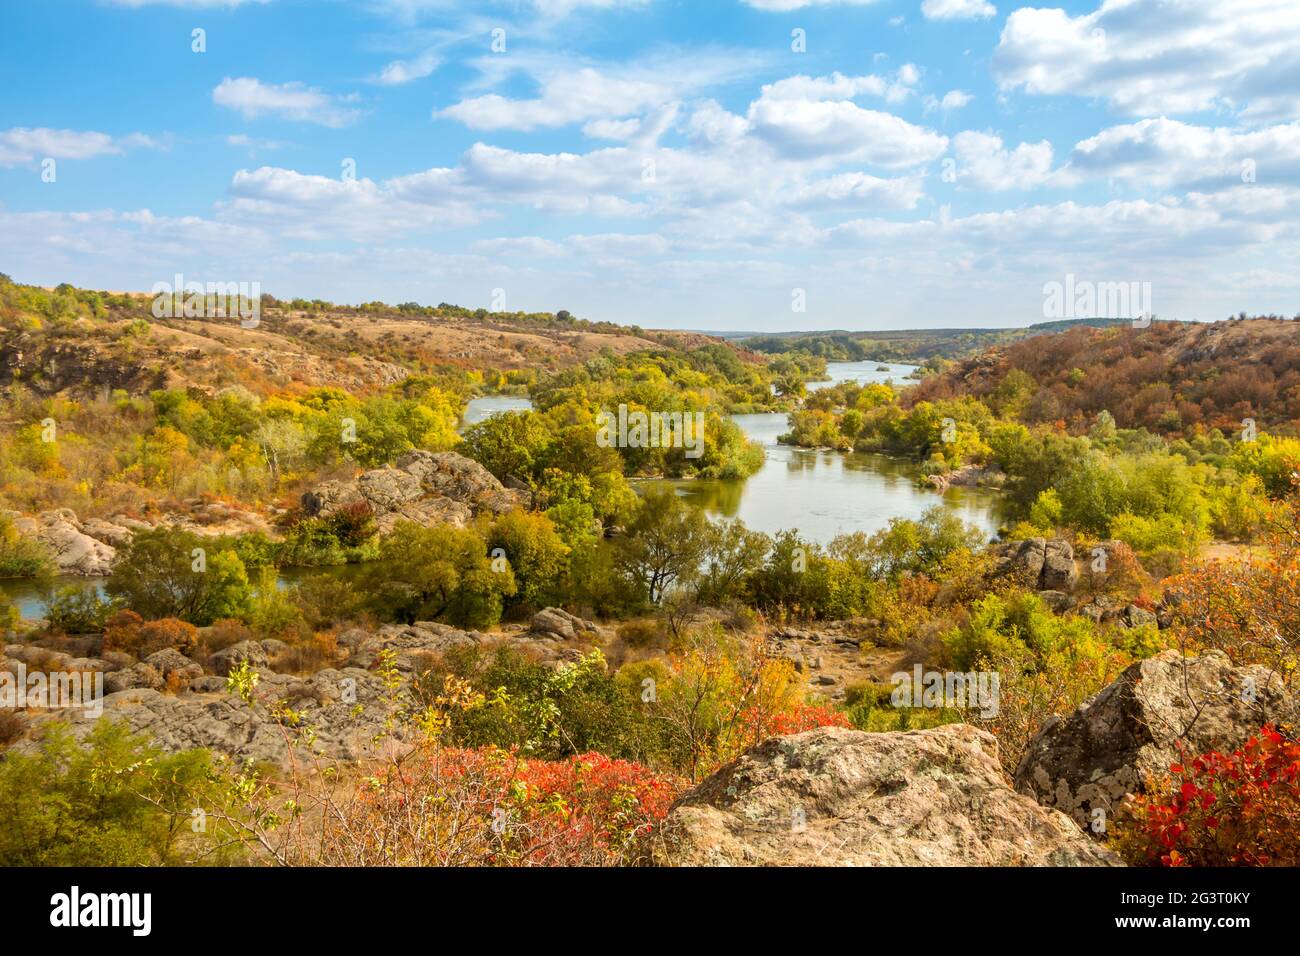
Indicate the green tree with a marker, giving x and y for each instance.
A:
(663, 545)
(171, 572)
(441, 573)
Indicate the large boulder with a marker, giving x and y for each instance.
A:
(226, 659)
(1039, 564)
(834, 796)
(72, 549)
(429, 488)
(450, 475)
(1157, 711)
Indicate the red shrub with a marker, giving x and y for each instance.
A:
(1237, 810)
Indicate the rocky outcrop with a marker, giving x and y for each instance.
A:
(1038, 564)
(345, 709)
(968, 476)
(89, 548)
(558, 624)
(228, 658)
(839, 797)
(72, 549)
(1157, 712)
(426, 487)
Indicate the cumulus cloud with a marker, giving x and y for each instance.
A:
(1149, 57)
(1164, 153)
(984, 163)
(806, 129)
(21, 146)
(320, 207)
(252, 98)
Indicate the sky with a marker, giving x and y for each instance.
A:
(766, 165)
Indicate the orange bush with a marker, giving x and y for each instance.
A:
(126, 631)
(487, 806)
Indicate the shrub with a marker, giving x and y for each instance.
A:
(1242, 809)
(170, 572)
(436, 574)
(76, 610)
(128, 633)
(353, 524)
(113, 800)
(326, 599)
(21, 557)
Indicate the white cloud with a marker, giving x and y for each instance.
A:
(958, 9)
(1149, 57)
(584, 94)
(532, 247)
(21, 145)
(952, 100)
(854, 190)
(1163, 153)
(405, 71)
(321, 207)
(293, 101)
(807, 129)
(983, 162)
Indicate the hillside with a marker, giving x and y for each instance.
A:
(1170, 378)
(85, 341)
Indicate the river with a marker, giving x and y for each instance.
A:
(816, 492)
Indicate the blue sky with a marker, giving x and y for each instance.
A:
(673, 164)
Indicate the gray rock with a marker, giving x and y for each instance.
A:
(1058, 601)
(73, 551)
(561, 625)
(429, 488)
(170, 661)
(1158, 711)
(1037, 564)
(1134, 616)
(839, 797)
(137, 676)
(224, 660)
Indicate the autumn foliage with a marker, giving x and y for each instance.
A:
(1239, 809)
(490, 807)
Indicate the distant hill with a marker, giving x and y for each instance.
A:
(903, 345)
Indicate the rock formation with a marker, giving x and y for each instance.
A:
(1158, 711)
(841, 797)
(426, 487)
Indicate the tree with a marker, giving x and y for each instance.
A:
(441, 573)
(663, 545)
(170, 572)
(510, 443)
(536, 554)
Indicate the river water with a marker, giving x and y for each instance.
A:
(816, 492)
